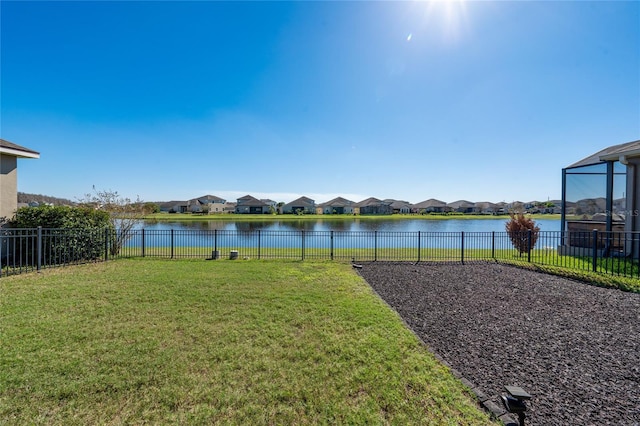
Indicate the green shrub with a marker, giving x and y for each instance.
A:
(70, 234)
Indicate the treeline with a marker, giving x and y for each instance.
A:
(38, 198)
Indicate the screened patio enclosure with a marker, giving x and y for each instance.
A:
(600, 203)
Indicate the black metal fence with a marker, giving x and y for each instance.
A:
(24, 250)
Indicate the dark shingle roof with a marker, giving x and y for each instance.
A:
(10, 145)
(301, 200)
(337, 202)
(610, 153)
(431, 202)
(371, 201)
(248, 200)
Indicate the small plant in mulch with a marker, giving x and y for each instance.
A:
(518, 228)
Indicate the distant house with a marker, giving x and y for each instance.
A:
(553, 207)
(373, 206)
(9, 154)
(399, 206)
(338, 205)
(303, 204)
(501, 208)
(462, 206)
(590, 206)
(174, 207)
(272, 205)
(485, 207)
(430, 206)
(207, 203)
(251, 205)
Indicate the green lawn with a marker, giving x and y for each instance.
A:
(189, 341)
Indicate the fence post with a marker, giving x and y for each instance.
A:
(529, 245)
(462, 247)
(106, 244)
(172, 243)
(375, 246)
(142, 242)
(39, 249)
(259, 244)
(331, 243)
(493, 244)
(594, 255)
(302, 233)
(418, 246)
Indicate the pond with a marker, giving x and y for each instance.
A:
(355, 224)
(354, 232)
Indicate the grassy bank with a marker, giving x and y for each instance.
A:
(158, 341)
(337, 217)
(613, 272)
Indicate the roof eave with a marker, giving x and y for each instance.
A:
(618, 155)
(19, 153)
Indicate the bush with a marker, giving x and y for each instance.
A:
(59, 217)
(70, 234)
(518, 228)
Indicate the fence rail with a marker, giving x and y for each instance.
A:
(24, 250)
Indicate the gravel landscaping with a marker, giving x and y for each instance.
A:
(574, 347)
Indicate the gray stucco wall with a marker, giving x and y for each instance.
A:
(8, 185)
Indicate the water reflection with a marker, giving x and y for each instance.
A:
(356, 224)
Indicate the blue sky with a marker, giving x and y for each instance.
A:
(476, 100)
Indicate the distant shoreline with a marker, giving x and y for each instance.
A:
(235, 217)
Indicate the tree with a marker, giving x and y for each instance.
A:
(151, 207)
(124, 214)
(518, 228)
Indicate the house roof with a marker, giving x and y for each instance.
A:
(337, 202)
(431, 202)
(209, 198)
(461, 203)
(301, 200)
(173, 203)
(486, 205)
(16, 150)
(612, 153)
(398, 204)
(248, 200)
(371, 201)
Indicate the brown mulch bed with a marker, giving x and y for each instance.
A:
(574, 347)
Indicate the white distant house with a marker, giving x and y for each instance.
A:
(9, 154)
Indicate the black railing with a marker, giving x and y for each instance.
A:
(23, 250)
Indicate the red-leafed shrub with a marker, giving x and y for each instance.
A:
(518, 228)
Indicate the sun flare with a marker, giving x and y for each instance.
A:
(449, 16)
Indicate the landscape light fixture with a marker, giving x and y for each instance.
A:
(515, 401)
